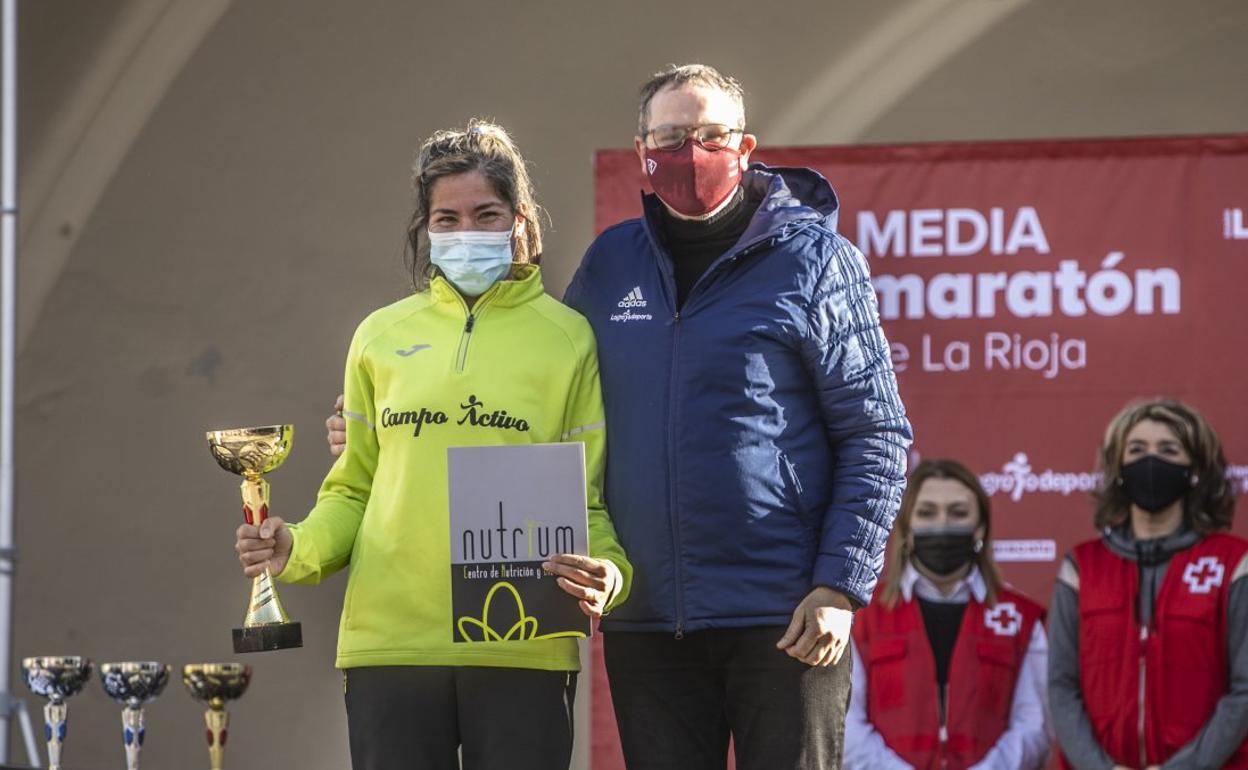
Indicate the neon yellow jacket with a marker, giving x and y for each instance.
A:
(416, 369)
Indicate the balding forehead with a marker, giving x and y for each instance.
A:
(694, 103)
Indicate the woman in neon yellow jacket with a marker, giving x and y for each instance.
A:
(479, 355)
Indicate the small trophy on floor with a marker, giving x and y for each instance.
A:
(132, 684)
(216, 684)
(251, 453)
(56, 678)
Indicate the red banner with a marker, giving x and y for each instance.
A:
(1030, 290)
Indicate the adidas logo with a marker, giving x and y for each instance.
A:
(633, 299)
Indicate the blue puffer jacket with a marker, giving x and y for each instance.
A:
(756, 444)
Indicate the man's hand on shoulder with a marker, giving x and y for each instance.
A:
(819, 632)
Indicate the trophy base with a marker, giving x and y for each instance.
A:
(279, 636)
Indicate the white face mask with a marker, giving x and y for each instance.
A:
(472, 260)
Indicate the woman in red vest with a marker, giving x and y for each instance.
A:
(1149, 663)
(949, 662)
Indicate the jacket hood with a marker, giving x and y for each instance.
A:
(1122, 541)
(790, 197)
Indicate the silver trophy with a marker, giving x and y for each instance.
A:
(56, 678)
(132, 684)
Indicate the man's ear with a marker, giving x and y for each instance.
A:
(639, 146)
(748, 143)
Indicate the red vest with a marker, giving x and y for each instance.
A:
(1148, 691)
(902, 698)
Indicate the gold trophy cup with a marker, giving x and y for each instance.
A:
(251, 453)
(215, 684)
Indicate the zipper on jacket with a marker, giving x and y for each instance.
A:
(1140, 722)
(462, 356)
(942, 734)
(669, 280)
(678, 593)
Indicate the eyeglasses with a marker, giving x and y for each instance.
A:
(712, 136)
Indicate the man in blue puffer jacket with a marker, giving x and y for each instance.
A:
(756, 442)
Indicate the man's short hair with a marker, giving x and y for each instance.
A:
(678, 75)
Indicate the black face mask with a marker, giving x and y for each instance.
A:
(1154, 484)
(946, 550)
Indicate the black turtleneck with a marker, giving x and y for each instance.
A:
(696, 243)
(943, 621)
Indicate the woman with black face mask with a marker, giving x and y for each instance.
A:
(949, 662)
(1149, 659)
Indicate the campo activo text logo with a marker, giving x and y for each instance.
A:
(475, 414)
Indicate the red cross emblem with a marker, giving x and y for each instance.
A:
(1204, 574)
(1004, 619)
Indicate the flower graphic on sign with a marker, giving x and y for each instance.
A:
(524, 629)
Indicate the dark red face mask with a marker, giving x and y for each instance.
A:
(693, 180)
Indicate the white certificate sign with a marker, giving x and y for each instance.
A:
(513, 507)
